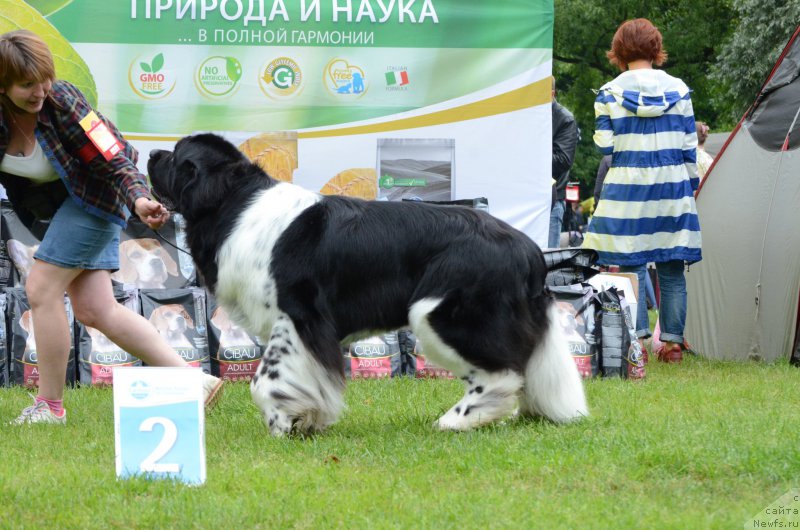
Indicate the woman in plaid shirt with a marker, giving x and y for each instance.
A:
(53, 172)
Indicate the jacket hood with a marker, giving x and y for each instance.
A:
(646, 92)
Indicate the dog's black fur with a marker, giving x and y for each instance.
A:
(346, 267)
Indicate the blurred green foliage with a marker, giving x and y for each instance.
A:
(722, 49)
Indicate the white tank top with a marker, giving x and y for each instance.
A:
(35, 166)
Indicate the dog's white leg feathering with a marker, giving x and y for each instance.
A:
(294, 392)
(553, 386)
(488, 396)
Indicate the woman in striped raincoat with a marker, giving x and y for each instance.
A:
(647, 212)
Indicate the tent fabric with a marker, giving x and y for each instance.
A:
(775, 115)
(743, 296)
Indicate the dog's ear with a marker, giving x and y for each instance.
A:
(21, 255)
(25, 321)
(198, 190)
(186, 317)
(220, 319)
(127, 271)
(169, 263)
(157, 318)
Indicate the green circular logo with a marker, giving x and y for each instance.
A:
(218, 76)
(280, 78)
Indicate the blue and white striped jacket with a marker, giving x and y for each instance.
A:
(647, 212)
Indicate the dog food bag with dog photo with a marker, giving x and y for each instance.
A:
(179, 315)
(147, 261)
(373, 358)
(97, 354)
(235, 354)
(414, 362)
(24, 369)
(6, 265)
(576, 319)
(20, 245)
(621, 354)
(634, 357)
(4, 359)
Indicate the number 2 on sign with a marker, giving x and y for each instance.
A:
(151, 464)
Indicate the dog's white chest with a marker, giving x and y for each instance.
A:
(245, 285)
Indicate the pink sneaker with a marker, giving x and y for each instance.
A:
(39, 413)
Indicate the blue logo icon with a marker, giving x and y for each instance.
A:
(140, 389)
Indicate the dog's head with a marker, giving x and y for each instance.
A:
(101, 343)
(202, 169)
(171, 319)
(144, 263)
(230, 334)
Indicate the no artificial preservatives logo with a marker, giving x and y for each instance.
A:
(218, 76)
(149, 79)
(281, 77)
(345, 79)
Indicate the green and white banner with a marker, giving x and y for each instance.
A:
(437, 99)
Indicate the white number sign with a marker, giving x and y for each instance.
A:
(159, 423)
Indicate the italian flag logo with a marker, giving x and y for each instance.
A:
(397, 78)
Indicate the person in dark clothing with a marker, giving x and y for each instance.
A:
(602, 169)
(565, 141)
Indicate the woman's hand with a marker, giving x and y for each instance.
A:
(152, 213)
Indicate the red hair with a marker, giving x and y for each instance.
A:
(634, 40)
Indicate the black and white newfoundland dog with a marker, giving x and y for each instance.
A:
(310, 272)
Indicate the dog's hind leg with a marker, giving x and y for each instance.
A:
(553, 386)
(489, 395)
(295, 393)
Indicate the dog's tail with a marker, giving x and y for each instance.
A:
(553, 386)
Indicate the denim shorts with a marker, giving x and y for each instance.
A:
(76, 239)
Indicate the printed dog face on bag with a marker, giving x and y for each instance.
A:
(235, 354)
(179, 315)
(97, 354)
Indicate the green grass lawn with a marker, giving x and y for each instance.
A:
(700, 445)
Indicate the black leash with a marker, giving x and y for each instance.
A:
(170, 243)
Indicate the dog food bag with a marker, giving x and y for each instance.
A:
(414, 362)
(97, 354)
(6, 265)
(24, 368)
(576, 319)
(614, 338)
(373, 358)
(179, 315)
(235, 353)
(20, 245)
(634, 356)
(4, 359)
(150, 260)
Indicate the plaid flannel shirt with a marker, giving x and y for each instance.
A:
(104, 188)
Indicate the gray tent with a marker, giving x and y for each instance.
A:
(744, 295)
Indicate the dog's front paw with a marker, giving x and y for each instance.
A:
(454, 420)
(279, 423)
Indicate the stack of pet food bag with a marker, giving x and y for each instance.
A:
(156, 279)
(595, 314)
